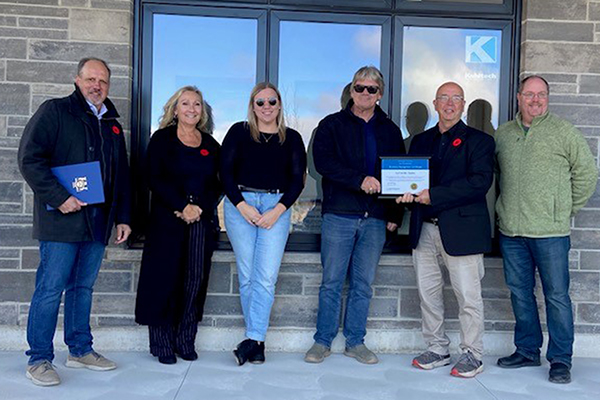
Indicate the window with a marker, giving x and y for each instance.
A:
(311, 50)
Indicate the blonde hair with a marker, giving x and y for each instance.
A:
(168, 116)
(252, 121)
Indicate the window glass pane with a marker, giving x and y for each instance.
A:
(460, 1)
(223, 68)
(316, 61)
(470, 57)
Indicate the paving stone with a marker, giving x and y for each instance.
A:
(563, 31)
(590, 260)
(222, 305)
(386, 292)
(17, 236)
(394, 324)
(394, 276)
(294, 311)
(116, 321)
(100, 25)
(222, 322)
(114, 304)
(382, 307)
(561, 57)
(111, 282)
(13, 48)
(14, 98)
(48, 23)
(219, 280)
(40, 71)
(34, 11)
(556, 9)
(410, 303)
(112, 4)
(11, 191)
(17, 285)
(9, 263)
(498, 310)
(585, 286)
(588, 313)
(288, 284)
(9, 314)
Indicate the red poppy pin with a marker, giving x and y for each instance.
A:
(456, 142)
(204, 152)
(116, 130)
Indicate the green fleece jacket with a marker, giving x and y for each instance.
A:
(546, 175)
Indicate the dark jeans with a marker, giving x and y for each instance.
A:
(72, 268)
(349, 246)
(550, 256)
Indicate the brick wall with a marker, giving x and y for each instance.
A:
(40, 44)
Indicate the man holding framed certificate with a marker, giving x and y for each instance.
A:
(450, 219)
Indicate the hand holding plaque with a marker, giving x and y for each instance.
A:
(400, 175)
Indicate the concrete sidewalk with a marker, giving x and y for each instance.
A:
(285, 376)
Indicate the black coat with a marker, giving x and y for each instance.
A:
(62, 132)
(160, 288)
(467, 171)
(339, 156)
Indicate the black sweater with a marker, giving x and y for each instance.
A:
(339, 155)
(265, 165)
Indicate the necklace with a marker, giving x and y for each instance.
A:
(266, 137)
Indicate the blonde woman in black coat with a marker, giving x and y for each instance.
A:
(183, 162)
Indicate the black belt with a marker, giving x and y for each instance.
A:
(432, 220)
(254, 190)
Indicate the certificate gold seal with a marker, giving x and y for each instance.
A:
(414, 186)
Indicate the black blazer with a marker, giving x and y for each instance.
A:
(459, 198)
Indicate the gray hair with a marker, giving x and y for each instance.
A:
(372, 73)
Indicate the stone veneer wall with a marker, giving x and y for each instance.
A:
(40, 43)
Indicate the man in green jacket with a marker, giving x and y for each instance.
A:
(546, 174)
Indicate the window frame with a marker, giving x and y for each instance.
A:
(392, 16)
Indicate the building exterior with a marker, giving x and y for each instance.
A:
(41, 42)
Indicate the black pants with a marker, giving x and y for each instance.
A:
(180, 336)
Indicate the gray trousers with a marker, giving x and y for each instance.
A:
(465, 274)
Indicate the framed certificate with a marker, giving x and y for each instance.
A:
(406, 174)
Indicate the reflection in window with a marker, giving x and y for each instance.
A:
(316, 61)
(470, 57)
(218, 55)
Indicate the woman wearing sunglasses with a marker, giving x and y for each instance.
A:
(262, 168)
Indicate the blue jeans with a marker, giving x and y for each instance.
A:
(551, 257)
(69, 267)
(258, 254)
(349, 246)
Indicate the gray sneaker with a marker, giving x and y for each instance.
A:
(317, 353)
(43, 374)
(93, 361)
(430, 360)
(362, 354)
(467, 366)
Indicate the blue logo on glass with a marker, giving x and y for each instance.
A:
(481, 49)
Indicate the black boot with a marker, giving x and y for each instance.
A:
(259, 355)
(245, 351)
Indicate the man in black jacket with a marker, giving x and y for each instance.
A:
(451, 220)
(346, 152)
(80, 128)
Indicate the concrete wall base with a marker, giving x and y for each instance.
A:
(284, 340)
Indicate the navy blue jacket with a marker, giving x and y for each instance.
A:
(339, 156)
(466, 174)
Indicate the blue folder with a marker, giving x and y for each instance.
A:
(83, 181)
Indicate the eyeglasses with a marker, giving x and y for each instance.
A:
(445, 98)
(531, 95)
(370, 89)
(261, 102)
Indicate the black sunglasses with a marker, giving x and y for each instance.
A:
(370, 89)
(261, 102)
